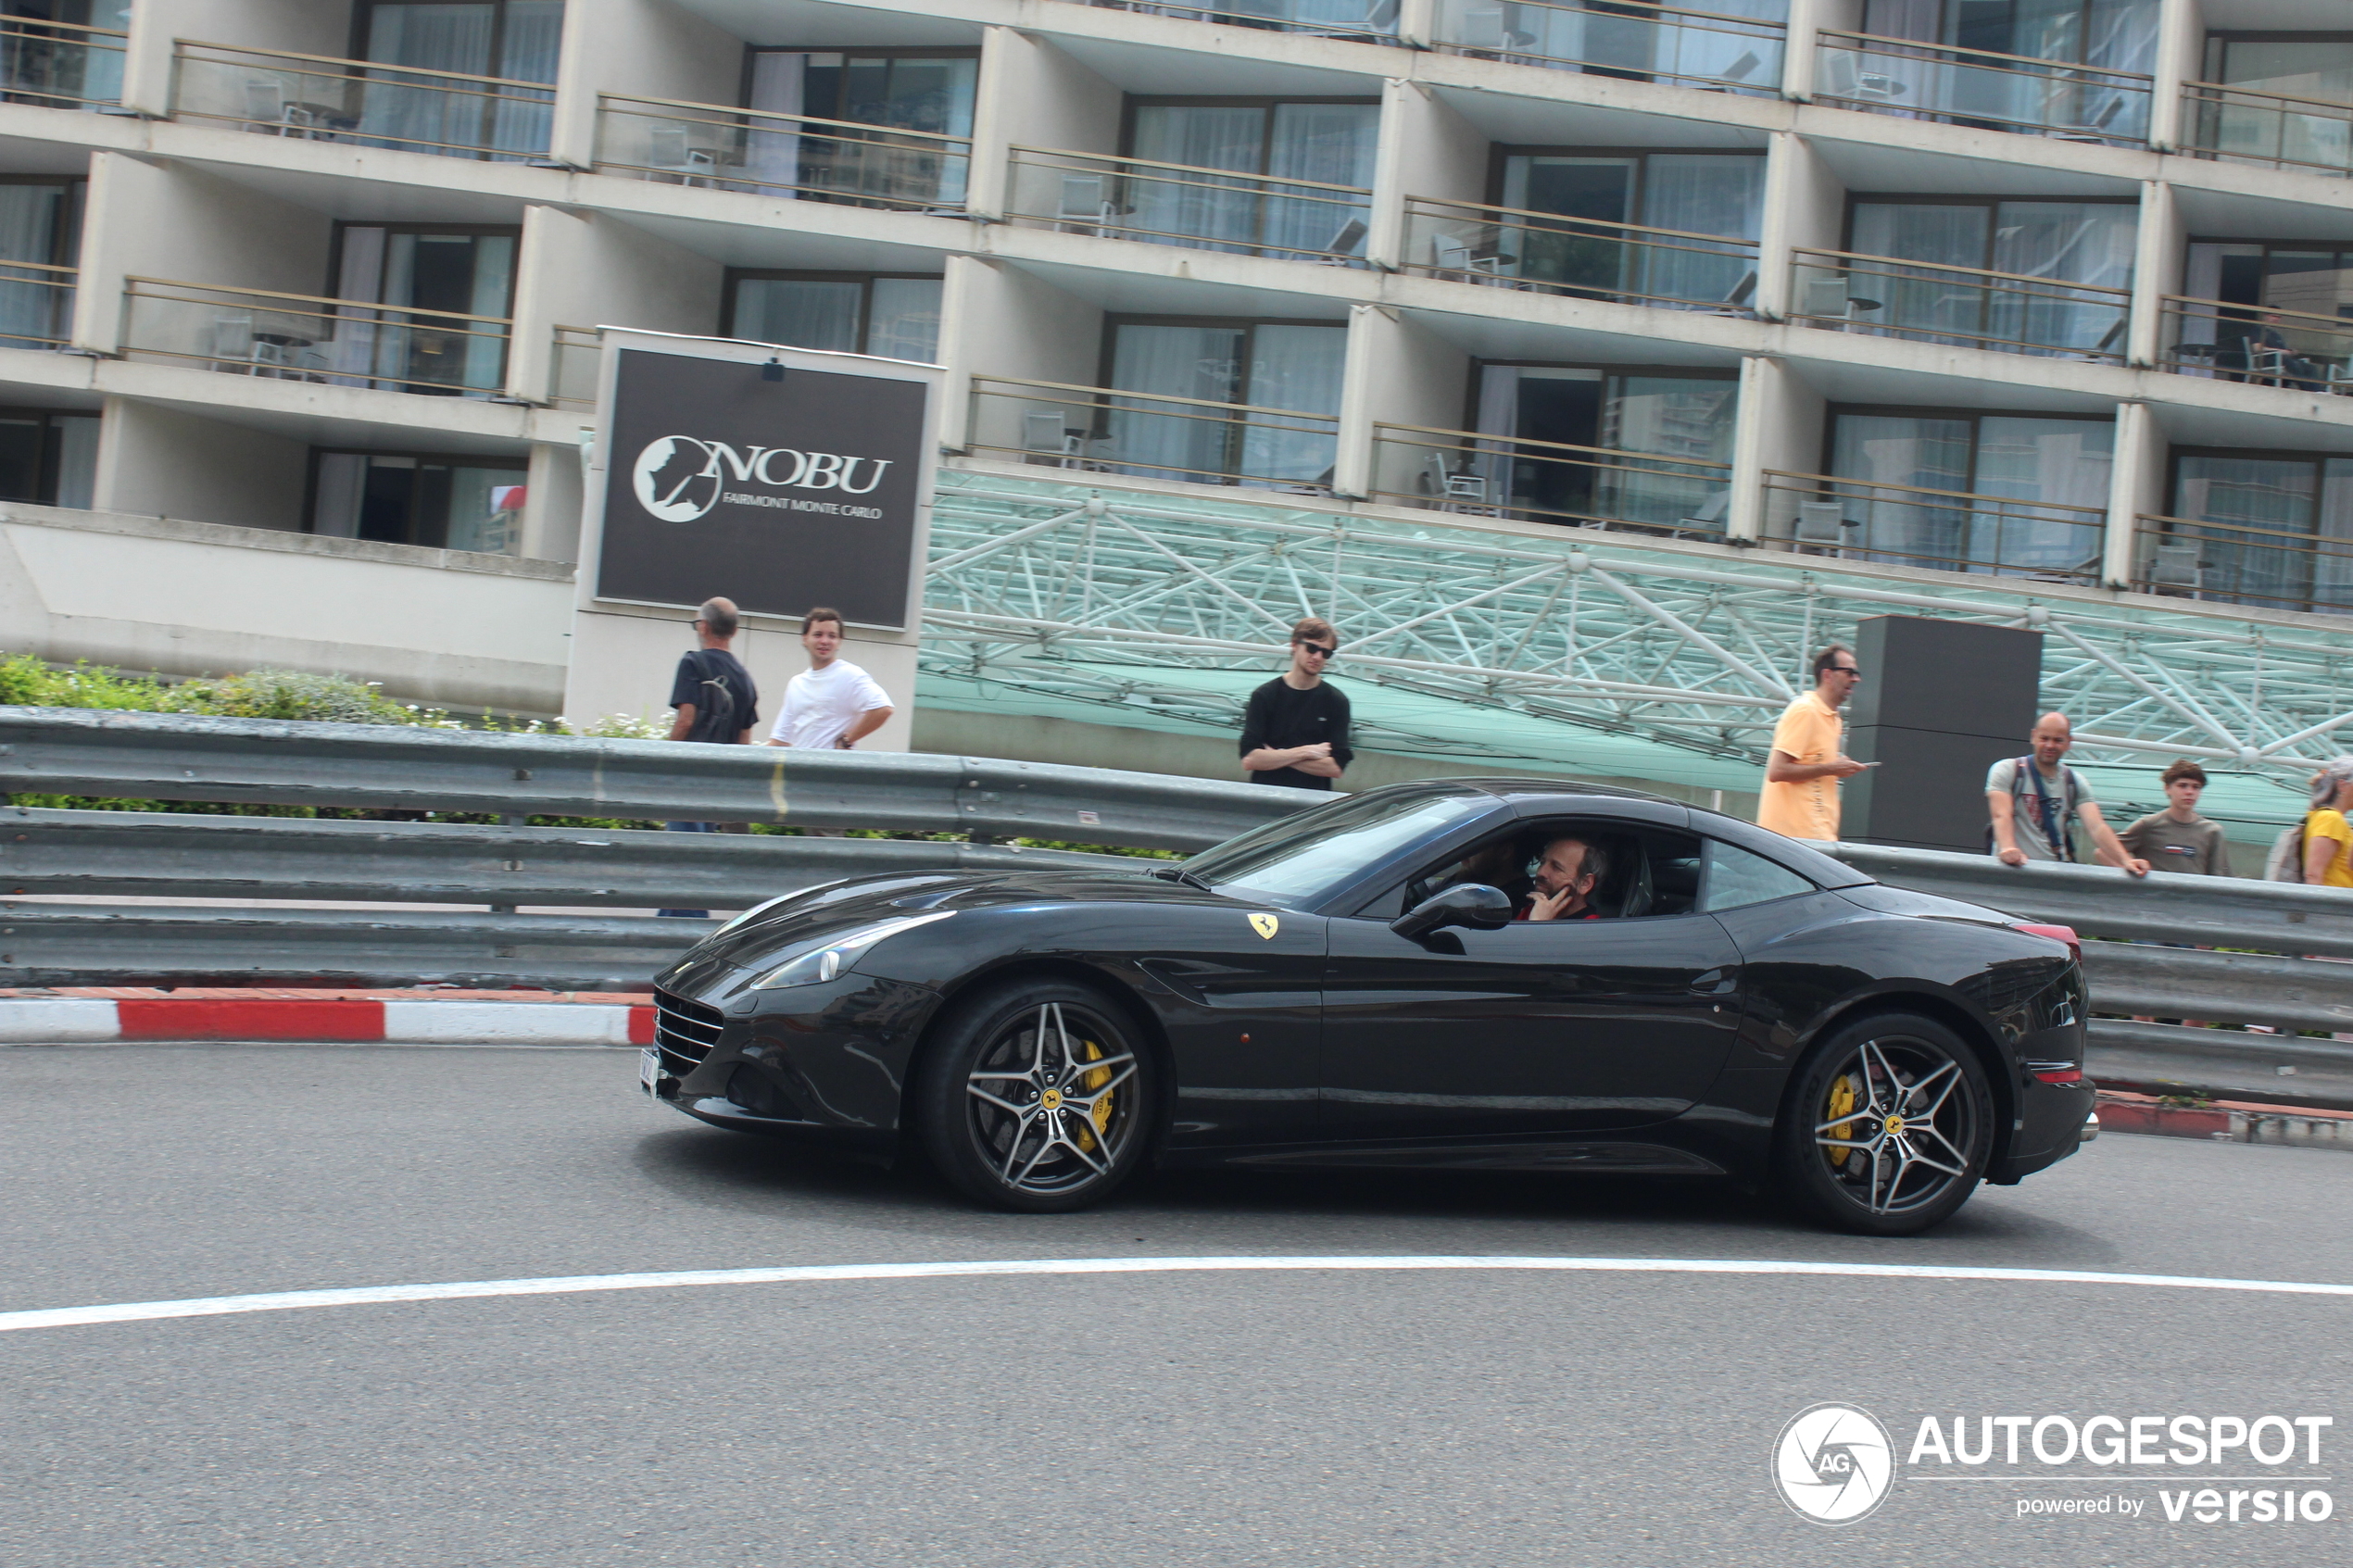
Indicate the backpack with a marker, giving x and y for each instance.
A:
(2020, 823)
(714, 702)
(2285, 862)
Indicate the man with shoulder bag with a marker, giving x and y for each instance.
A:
(2031, 799)
(716, 702)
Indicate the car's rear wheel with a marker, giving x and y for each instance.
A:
(1037, 1095)
(1888, 1127)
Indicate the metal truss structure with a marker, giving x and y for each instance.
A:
(1097, 593)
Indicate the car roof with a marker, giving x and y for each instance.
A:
(1510, 788)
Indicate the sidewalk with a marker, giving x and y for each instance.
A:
(79, 1014)
(2226, 1120)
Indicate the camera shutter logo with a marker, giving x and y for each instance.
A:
(676, 477)
(1834, 1464)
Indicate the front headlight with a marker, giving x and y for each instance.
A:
(815, 965)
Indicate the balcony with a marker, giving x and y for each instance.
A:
(1507, 247)
(1175, 204)
(1457, 470)
(2234, 125)
(1664, 45)
(300, 337)
(59, 65)
(1950, 530)
(2241, 563)
(794, 156)
(2257, 343)
(1150, 435)
(574, 365)
(318, 98)
(36, 304)
(1976, 87)
(1929, 301)
(1364, 22)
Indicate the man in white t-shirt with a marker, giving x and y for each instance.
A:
(832, 705)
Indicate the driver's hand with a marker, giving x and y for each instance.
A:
(1548, 906)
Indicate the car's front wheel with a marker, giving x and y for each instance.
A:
(1037, 1095)
(1888, 1127)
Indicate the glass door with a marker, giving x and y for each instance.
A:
(471, 273)
(38, 225)
(517, 40)
(1328, 144)
(1592, 262)
(903, 90)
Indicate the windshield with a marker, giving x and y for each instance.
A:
(1294, 863)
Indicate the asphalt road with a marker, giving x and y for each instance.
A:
(1213, 1419)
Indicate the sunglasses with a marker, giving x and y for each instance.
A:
(1320, 648)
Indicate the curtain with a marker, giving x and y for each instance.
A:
(1951, 309)
(799, 312)
(2059, 461)
(2066, 242)
(33, 309)
(342, 484)
(1931, 454)
(2275, 494)
(1211, 215)
(1702, 193)
(1498, 415)
(903, 320)
(2332, 573)
(772, 154)
(400, 110)
(1158, 441)
(485, 356)
(1300, 369)
(77, 441)
(353, 353)
(1333, 144)
(528, 47)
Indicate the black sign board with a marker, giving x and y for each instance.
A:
(778, 495)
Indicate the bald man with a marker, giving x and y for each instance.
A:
(2031, 797)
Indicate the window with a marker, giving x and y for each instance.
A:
(2046, 479)
(1295, 863)
(2282, 526)
(1691, 192)
(2089, 242)
(447, 503)
(2311, 281)
(2294, 65)
(1659, 413)
(79, 70)
(517, 40)
(1330, 143)
(2118, 34)
(892, 317)
(48, 458)
(929, 90)
(1647, 872)
(1291, 366)
(1737, 878)
(462, 269)
(40, 227)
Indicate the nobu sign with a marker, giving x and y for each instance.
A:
(777, 494)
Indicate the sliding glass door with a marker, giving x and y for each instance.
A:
(900, 89)
(1628, 414)
(1328, 144)
(1696, 193)
(2281, 530)
(892, 318)
(516, 39)
(1270, 365)
(2057, 243)
(469, 273)
(40, 232)
(2042, 476)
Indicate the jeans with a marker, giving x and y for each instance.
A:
(690, 827)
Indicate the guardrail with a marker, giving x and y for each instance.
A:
(1962, 306)
(1662, 43)
(797, 155)
(1458, 470)
(1582, 257)
(1981, 87)
(363, 103)
(1950, 530)
(59, 64)
(2242, 125)
(312, 338)
(1197, 209)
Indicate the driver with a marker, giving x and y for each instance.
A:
(1566, 874)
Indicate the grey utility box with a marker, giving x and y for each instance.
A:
(1940, 702)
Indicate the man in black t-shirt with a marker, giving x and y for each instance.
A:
(1295, 730)
(715, 698)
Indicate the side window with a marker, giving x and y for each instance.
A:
(1648, 871)
(1736, 878)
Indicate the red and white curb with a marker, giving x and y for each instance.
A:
(340, 1019)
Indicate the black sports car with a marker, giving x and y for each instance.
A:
(1359, 985)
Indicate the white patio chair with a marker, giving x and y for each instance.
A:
(1843, 77)
(2177, 567)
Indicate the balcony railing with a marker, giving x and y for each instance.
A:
(302, 337)
(1457, 470)
(1951, 530)
(1175, 204)
(2243, 563)
(1507, 247)
(1976, 87)
(59, 65)
(319, 98)
(1927, 302)
(36, 304)
(1147, 436)
(1369, 21)
(2239, 126)
(783, 154)
(2258, 343)
(575, 359)
(1634, 41)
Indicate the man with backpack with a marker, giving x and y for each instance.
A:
(2030, 799)
(715, 699)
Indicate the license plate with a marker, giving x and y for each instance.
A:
(650, 1069)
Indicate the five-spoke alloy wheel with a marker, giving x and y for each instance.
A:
(1037, 1095)
(1887, 1128)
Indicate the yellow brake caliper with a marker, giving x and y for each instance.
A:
(1090, 1081)
(1842, 1099)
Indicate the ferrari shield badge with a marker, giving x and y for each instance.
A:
(1265, 925)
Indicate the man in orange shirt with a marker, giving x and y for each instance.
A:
(1800, 796)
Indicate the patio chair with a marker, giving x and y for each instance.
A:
(1049, 437)
(1086, 201)
(1824, 525)
(669, 151)
(1343, 246)
(2177, 568)
(1843, 77)
(1484, 31)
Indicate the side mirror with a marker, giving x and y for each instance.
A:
(1472, 904)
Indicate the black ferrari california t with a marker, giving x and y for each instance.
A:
(1360, 985)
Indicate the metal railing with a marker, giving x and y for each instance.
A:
(1518, 248)
(1981, 88)
(2243, 563)
(1175, 204)
(2256, 343)
(304, 338)
(1635, 43)
(1972, 307)
(1148, 435)
(1368, 22)
(36, 304)
(321, 98)
(2239, 125)
(1950, 530)
(798, 155)
(575, 360)
(59, 65)
(1455, 470)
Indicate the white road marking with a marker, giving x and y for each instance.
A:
(289, 1301)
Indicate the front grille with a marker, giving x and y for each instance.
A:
(686, 1031)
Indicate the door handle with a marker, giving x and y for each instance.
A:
(1715, 983)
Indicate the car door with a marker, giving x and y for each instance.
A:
(1242, 1008)
(1538, 1029)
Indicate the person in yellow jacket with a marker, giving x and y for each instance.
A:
(2328, 837)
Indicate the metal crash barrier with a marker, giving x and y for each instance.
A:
(173, 897)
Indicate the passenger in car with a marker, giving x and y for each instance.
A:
(1566, 874)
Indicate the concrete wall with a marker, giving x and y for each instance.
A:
(658, 49)
(1783, 421)
(160, 461)
(1427, 149)
(1401, 373)
(579, 269)
(1017, 324)
(1804, 205)
(1032, 94)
